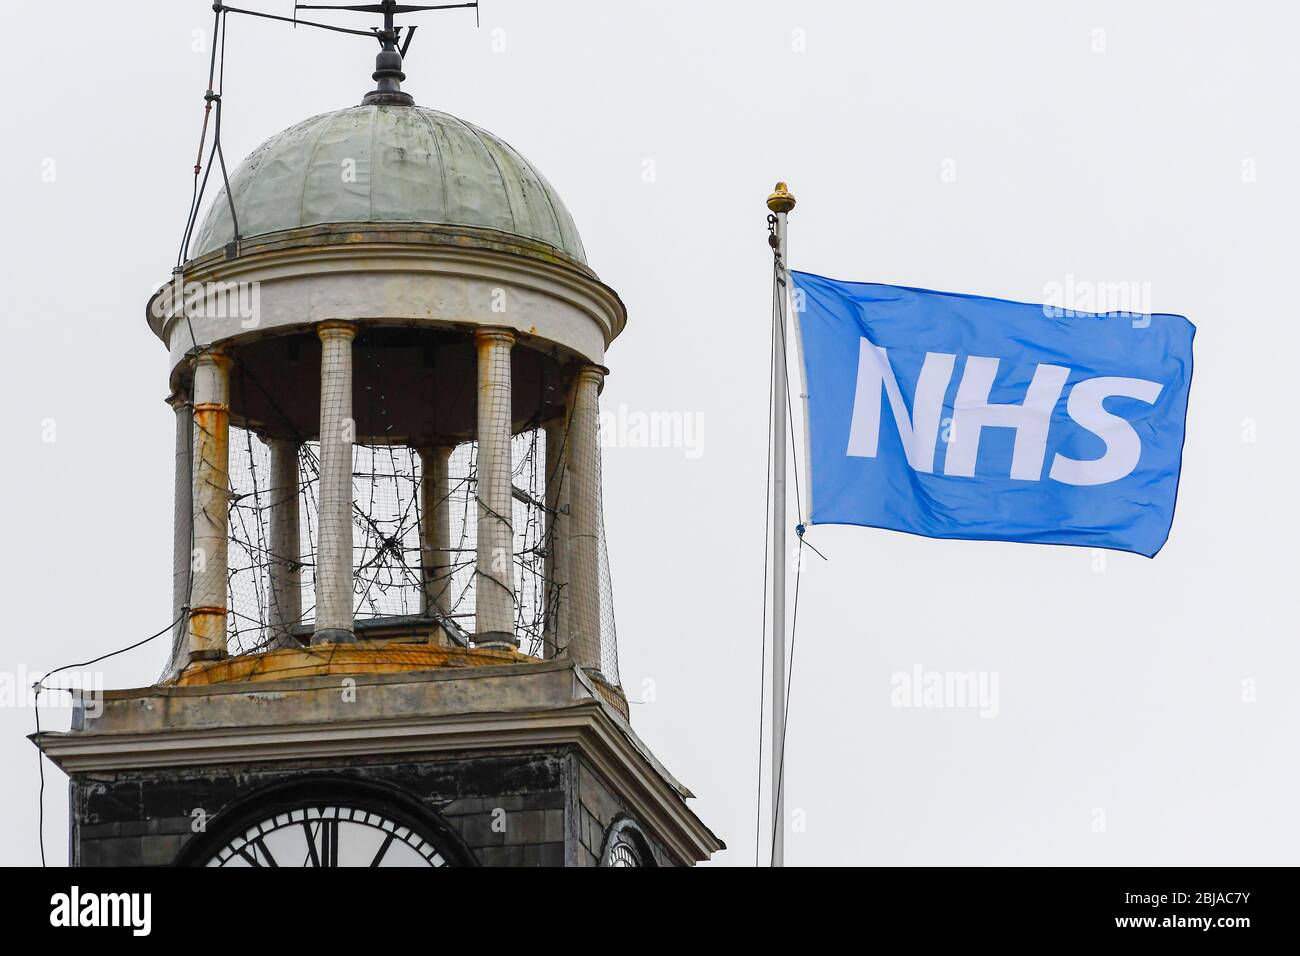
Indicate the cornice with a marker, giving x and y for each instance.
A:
(375, 248)
(586, 725)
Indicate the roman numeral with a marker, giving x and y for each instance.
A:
(258, 848)
(324, 852)
(388, 841)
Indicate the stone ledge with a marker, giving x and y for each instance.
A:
(344, 659)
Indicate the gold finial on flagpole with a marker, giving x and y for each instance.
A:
(781, 200)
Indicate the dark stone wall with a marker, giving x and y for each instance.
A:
(528, 808)
(598, 808)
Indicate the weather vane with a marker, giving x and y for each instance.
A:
(388, 77)
(388, 63)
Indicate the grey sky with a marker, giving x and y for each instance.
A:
(989, 148)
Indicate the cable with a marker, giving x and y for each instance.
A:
(295, 21)
(215, 81)
(215, 77)
(36, 708)
(789, 679)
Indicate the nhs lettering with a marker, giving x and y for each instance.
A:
(973, 412)
(959, 416)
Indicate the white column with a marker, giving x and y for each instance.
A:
(285, 599)
(337, 431)
(555, 634)
(584, 517)
(435, 530)
(211, 496)
(494, 576)
(182, 523)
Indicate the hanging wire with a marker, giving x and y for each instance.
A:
(38, 687)
(789, 679)
(215, 76)
(211, 102)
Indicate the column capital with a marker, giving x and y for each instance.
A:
(214, 356)
(178, 400)
(592, 373)
(336, 328)
(495, 333)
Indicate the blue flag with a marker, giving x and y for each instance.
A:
(958, 416)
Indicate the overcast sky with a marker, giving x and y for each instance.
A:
(1147, 710)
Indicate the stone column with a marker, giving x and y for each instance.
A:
(494, 575)
(583, 447)
(435, 530)
(211, 496)
(182, 523)
(337, 432)
(285, 599)
(555, 633)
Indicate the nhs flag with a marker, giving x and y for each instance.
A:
(956, 416)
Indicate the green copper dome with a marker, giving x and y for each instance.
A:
(383, 163)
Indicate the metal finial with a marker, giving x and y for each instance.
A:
(781, 200)
(388, 73)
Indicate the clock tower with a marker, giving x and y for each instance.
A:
(394, 640)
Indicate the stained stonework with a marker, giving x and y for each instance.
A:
(516, 766)
(501, 810)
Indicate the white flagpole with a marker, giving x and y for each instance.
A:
(780, 203)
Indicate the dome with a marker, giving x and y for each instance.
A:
(386, 163)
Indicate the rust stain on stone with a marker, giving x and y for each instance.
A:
(344, 659)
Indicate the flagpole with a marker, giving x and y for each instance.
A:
(780, 202)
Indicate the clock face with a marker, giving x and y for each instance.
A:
(623, 853)
(328, 835)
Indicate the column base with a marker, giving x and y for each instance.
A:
(502, 640)
(333, 635)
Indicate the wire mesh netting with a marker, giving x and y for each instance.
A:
(608, 636)
(386, 542)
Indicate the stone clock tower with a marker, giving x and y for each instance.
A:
(394, 637)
